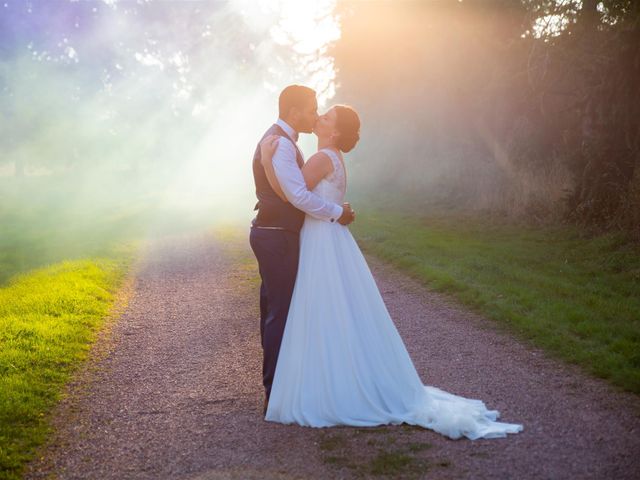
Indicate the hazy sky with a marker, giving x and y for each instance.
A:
(178, 90)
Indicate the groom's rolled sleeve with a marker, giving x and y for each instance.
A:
(295, 189)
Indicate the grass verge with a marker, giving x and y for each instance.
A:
(48, 320)
(576, 297)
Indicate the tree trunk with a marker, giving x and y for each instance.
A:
(589, 17)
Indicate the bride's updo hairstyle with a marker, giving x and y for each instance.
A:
(348, 126)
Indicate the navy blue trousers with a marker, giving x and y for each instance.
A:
(277, 253)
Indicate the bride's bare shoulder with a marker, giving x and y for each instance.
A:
(321, 161)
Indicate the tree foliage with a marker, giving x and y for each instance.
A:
(527, 108)
(586, 81)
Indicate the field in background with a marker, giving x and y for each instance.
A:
(44, 220)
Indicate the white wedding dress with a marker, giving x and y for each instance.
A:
(342, 361)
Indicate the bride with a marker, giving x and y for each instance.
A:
(342, 361)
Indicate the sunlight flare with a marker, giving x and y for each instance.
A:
(304, 29)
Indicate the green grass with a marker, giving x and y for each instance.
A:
(576, 297)
(418, 447)
(335, 442)
(378, 453)
(390, 463)
(48, 320)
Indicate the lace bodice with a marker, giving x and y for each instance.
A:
(333, 187)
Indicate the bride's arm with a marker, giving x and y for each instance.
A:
(268, 147)
(316, 168)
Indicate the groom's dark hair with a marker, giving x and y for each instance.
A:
(294, 96)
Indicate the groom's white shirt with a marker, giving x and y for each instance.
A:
(292, 182)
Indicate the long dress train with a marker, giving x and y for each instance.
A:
(342, 361)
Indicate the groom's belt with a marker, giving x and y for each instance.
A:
(268, 228)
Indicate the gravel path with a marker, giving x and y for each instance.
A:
(177, 392)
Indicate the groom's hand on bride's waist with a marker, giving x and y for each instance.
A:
(348, 215)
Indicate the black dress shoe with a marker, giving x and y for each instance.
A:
(264, 408)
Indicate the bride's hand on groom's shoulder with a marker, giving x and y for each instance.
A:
(268, 147)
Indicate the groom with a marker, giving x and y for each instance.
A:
(275, 232)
